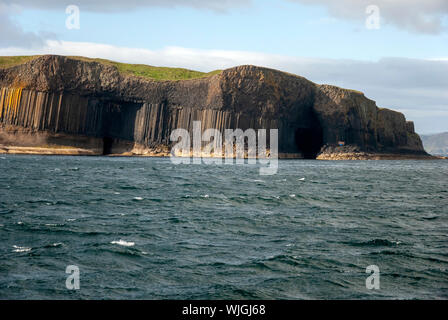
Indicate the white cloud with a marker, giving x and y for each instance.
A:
(12, 34)
(204, 60)
(414, 86)
(422, 16)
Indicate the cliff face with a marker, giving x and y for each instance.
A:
(72, 102)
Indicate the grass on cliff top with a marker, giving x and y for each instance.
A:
(140, 70)
(151, 72)
(7, 62)
(161, 73)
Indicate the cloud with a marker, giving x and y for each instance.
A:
(12, 33)
(421, 16)
(414, 86)
(120, 5)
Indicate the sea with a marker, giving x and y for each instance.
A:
(146, 228)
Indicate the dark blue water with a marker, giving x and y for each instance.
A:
(143, 228)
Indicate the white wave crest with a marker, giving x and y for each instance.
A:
(123, 243)
(21, 249)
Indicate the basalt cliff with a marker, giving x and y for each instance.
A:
(61, 105)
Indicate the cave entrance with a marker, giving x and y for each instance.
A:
(309, 141)
(107, 145)
(117, 124)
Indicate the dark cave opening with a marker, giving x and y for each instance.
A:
(117, 123)
(107, 145)
(309, 141)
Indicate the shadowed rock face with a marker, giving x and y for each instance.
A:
(68, 97)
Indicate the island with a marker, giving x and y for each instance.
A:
(53, 104)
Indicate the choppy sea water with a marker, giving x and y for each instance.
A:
(144, 228)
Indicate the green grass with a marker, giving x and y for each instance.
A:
(161, 73)
(7, 62)
(139, 70)
(151, 72)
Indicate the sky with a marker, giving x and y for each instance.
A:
(395, 51)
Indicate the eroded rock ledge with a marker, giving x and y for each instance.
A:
(61, 103)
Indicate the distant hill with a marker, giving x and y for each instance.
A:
(436, 144)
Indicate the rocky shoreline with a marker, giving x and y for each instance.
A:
(139, 151)
(374, 156)
(354, 153)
